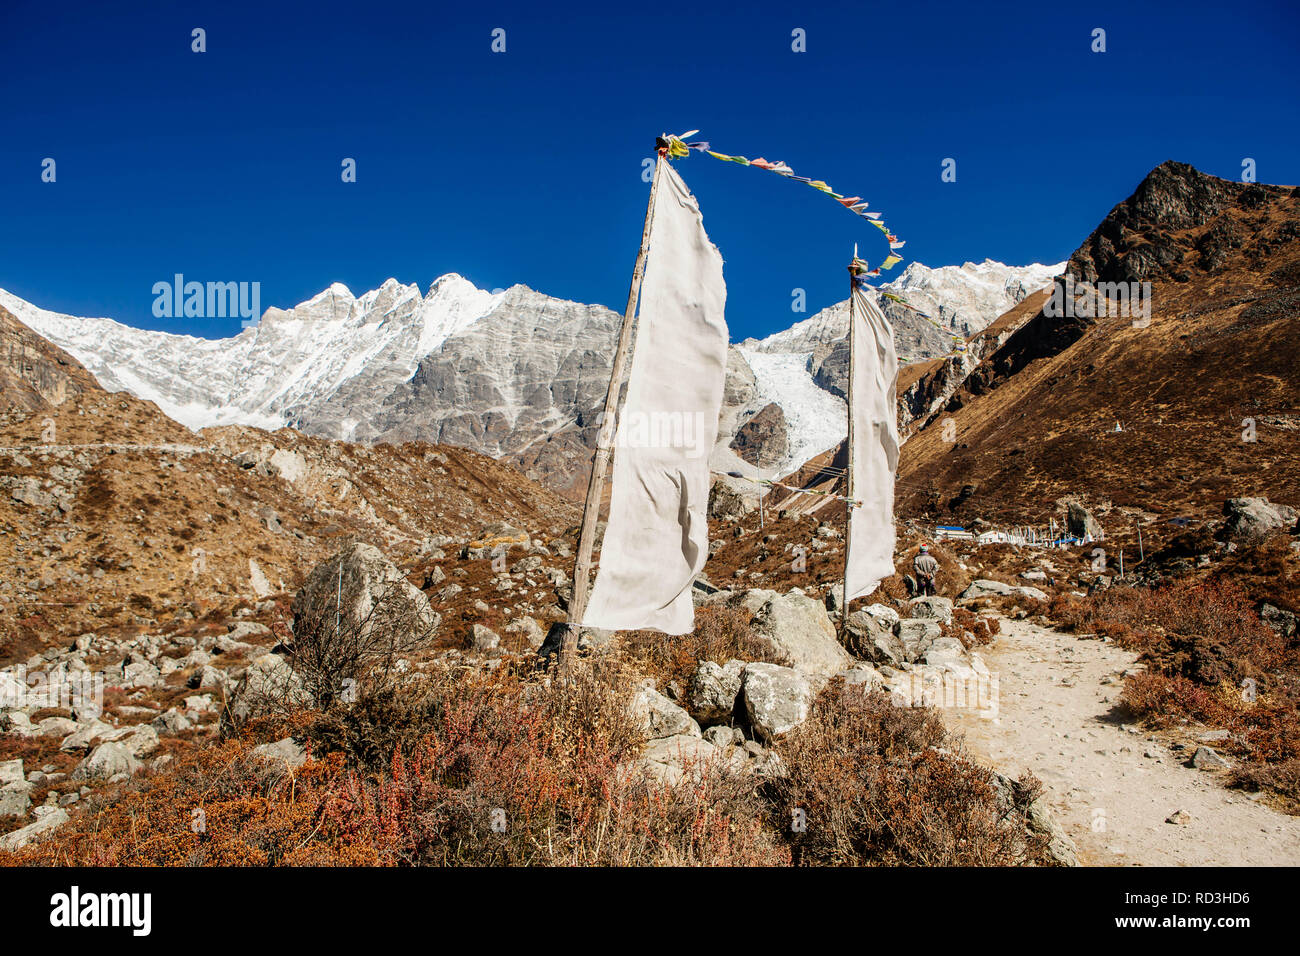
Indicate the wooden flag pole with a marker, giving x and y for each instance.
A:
(605, 441)
(848, 458)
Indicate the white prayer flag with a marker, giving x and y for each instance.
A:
(656, 540)
(873, 459)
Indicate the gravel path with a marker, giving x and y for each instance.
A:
(1112, 787)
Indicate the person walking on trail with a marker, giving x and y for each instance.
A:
(926, 567)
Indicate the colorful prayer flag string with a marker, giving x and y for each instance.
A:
(677, 147)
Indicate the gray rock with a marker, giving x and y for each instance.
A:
(485, 639)
(861, 675)
(712, 690)
(15, 799)
(531, 630)
(107, 761)
(723, 736)
(140, 673)
(871, 637)
(1207, 758)
(777, 699)
(916, 637)
(56, 727)
(11, 772)
(85, 735)
(987, 588)
(1284, 622)
(945, 650)
(658, 716)
(269, 684)
(172, 721)
(285, 751)
(669, 759)
(44, 825)
(242, 630)
(378, 606)
(933, 609)
(798, 628)
(1251, 520)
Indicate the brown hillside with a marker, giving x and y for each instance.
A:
(1034, 421)
(114, 519)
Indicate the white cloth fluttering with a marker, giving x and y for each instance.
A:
(873, 459)
(656, 541)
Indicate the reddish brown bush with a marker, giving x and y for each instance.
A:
(877, 784)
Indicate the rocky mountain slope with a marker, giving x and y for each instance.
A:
(515, 374)
(114, 518)
(1204, 394)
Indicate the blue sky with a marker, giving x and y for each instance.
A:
(525, 166)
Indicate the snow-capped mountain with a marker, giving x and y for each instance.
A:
(274, 372)
(803, 368)
(514, 374)
(964, 299)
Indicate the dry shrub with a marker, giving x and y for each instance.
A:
(1280, 779)
(970, 628)
(556, 758)
(880, 784)
(350, 655)
(513, 773)
(1210, 660)
(217, 806)
(722, 632)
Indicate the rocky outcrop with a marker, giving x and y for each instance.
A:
(763, 440)
(1251, 520)
(1079, 521)
(1135, 241)
(983, 587)
(777, 699)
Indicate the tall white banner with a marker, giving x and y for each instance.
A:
(873, 459)
(656, 541)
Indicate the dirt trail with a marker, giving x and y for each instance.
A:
(1112, 788)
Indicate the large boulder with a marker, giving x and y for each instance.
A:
(657, 716)
(777, 699)
(872, 638)
(712, 691)
(1080, 522)
(763, 440)
(730, 499)
(668, 759)
(106, 761)
(798, 629)
(983, 587)
(43, 825)
(360, 592)
(916, 637)
(945, 650)
(1251, 520)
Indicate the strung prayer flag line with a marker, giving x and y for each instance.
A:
(803, 491)
(677, 147)
(860, 271)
